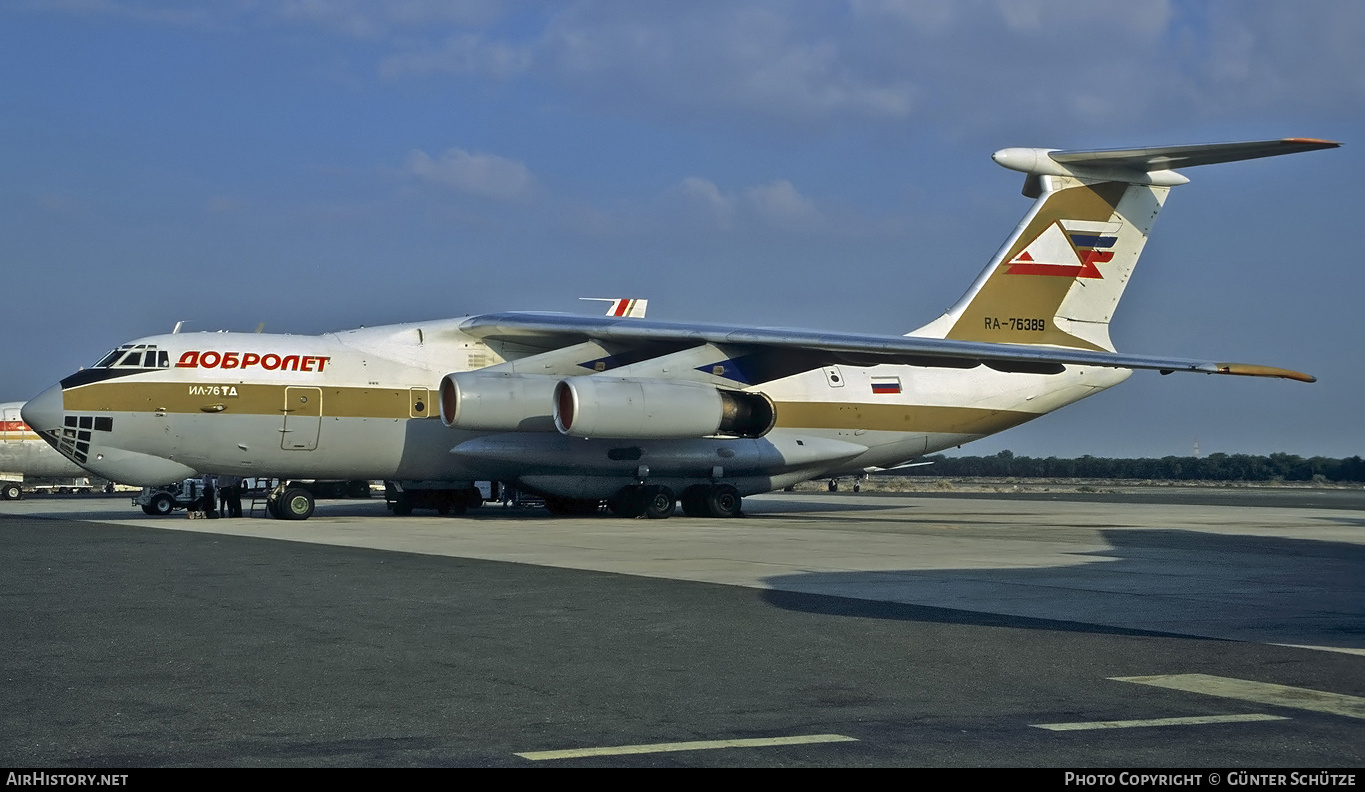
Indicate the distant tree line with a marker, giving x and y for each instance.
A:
(1214, 467)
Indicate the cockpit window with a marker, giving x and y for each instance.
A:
(140, 356)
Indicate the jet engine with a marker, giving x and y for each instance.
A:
(657, 410)
(497, 402)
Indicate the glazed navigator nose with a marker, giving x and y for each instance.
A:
(45, 412)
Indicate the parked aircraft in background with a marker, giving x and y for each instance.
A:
(641, 413)
(23, 454)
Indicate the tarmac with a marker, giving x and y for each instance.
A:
(863, 629)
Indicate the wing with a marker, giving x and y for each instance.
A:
(731, 354)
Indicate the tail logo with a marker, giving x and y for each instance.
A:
(1067, 249)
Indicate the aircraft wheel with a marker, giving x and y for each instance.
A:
(452, 504)
(401, 507)
(694, 501)
(659, 503)
(723, 501)
(297, 504)
(627, 502)
(11, 492)
(161, 505)
(833, 485)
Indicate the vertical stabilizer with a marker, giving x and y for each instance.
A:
(1059, 276)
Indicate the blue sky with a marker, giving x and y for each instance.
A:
(323, 165)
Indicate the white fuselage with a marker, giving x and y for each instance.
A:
(362, 404)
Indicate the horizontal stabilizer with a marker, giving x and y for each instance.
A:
(1155, 166)
(1171, 157)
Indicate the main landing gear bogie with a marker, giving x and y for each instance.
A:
(659, 502)
(444, 502)
(639, 500)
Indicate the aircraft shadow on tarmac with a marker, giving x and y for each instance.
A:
(795, 507)
(1163, 582)
(1357, 521)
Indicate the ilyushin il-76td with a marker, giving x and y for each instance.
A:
(643, 414)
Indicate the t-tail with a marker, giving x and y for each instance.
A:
(1059, 276)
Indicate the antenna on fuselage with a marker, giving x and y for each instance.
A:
(177, 327)
(260, 327)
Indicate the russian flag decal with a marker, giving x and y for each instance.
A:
(886, 384)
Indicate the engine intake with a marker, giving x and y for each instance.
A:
(657, 410)
(497, 402)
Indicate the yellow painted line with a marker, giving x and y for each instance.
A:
(1196, 720)
(700, 745)
(1259, 692)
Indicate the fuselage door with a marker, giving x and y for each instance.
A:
(419, 403)
(302, 419)
(10, 425)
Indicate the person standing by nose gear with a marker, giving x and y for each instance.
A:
(230, 496)
(210, 498)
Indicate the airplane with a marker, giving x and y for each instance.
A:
(643, 414)
(24, 453)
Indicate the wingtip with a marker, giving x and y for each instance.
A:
(1313, 142)
(1252, 370)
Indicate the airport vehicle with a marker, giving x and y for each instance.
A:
(166, 498)
(640, 413)
(24, 455)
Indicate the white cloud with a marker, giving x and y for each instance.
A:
(1286, 55)
(780, 203)
(370, 19)
(704, 198)
(161, 12)
(927, 16)
(709, 59)
(776, 204)
(482, 175)
(890, 66)
(461, 54)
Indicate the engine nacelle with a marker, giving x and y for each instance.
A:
(498, 402)
(648, 409)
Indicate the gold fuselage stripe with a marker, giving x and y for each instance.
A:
(373, 402)
(235, 399)
(897, 417)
